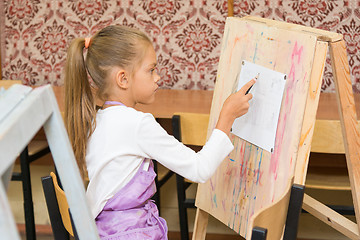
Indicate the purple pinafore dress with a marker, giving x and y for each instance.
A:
(130, 214)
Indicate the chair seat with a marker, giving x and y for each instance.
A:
(161, 171)
(188, 181)
(58, 209)
(328, 178)
(36, 145)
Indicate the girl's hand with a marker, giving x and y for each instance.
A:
(236, 105)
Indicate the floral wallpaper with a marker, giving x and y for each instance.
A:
(186, 34)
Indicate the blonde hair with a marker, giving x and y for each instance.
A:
(112, 46)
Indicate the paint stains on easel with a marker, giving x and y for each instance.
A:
(249, 178)
(237, 40)
(214, 200)
(293, 81)
(246, 178)
(295, 60)
(255, 52)
(296, 55)
(243, 171)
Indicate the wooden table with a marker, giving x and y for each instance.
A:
(8, 83)
(169, 101)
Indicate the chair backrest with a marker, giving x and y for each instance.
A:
(272, 217)
(328, 137)
(192, 128)
(58, 209)
(63, 205)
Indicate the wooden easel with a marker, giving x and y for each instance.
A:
(23, 112)
(300, 156)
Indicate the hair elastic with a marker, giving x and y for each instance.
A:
(87, 42)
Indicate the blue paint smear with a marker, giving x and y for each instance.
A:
(258, 175)
(215, 201)
(256, 48)
(233, 227)
(232, 160)
(240, 226)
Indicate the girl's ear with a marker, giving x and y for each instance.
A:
(121, 79)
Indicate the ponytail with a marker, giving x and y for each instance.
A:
(112, 46)
(79, 103)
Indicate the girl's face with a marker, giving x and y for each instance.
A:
(144, 80)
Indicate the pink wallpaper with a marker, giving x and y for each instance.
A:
(186, 33)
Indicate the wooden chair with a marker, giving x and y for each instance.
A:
(327, 146)
(58, 209)
(280, 219)
(190, 129)
(35, 150)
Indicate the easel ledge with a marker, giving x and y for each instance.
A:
(321, 35)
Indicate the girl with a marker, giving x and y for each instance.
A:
(115, 143)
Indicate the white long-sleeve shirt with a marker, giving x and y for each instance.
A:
(123, 137)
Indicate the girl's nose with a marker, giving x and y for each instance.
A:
(157, 77)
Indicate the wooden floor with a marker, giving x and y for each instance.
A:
(176, 236)
(171, 236)
(44, 233)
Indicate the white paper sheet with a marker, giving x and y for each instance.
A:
(258, 126)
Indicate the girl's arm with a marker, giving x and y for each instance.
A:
(155, 143)
(198, 167)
